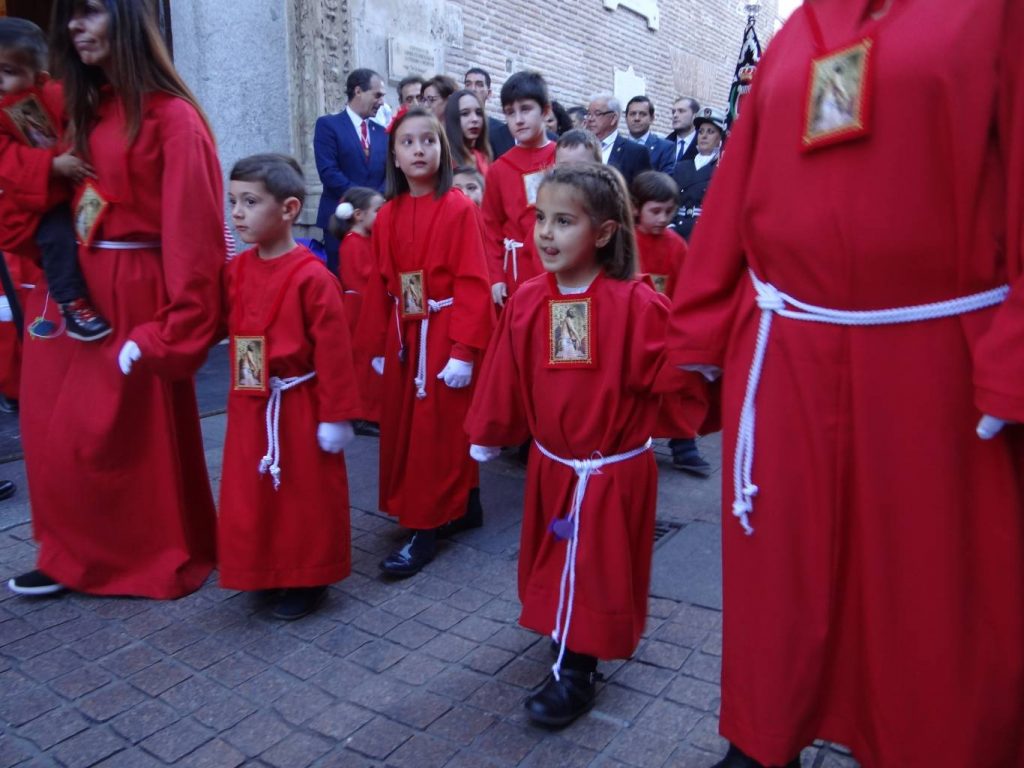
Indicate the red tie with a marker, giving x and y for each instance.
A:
(366, 139)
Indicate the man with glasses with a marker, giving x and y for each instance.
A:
(602, 119)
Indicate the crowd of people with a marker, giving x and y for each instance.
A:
(526, 284)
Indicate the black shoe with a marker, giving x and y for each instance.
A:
(560, 702)
(297, 602)
(82, 322)
(34, 584)
(735, 758)
(367, 428)
(411, 558)
(7, 489)
(686, 457)
(8, 405)
(474, 517)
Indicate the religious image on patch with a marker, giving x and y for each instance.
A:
(531, 183)
(837, 99)
(249, 356)
(413, 304)
(570, 332)
(31, 121)
(88, 213)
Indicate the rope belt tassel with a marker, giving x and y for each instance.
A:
(773, 302)
(583, 468)
(512, 248)
(421, 362)
(271, 462)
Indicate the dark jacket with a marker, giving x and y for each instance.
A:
(341, 163)
(693, 185)
(629, 158)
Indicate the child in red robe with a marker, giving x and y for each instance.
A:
(427, 317)
(34, 170)
(352, 225)
(512, 185)
(573, 363)
(284, 515)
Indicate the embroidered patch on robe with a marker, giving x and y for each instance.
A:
(413, 303)
(31, 121)
(531, 183)
(839, 96)
(249, 364)
(571, 333)
(89, 210)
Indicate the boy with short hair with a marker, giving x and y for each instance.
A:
(284, 514)
(34, 215)
(578, 145)
(512, 183)
(469, 180)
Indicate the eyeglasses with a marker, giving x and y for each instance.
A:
(595, 115)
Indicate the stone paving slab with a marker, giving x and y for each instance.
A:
(429, 671)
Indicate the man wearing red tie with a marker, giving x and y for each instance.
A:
(350, 149)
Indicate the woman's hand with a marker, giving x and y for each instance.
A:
(72, 168)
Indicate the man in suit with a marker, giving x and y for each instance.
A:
(351, 150)
(479, 82)
(603, 115)
(684, 135)
(639, 116)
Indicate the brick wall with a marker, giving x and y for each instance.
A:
(578, 44)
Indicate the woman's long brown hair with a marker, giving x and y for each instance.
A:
(139, 64)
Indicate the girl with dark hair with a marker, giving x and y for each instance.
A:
(121, 502)
(558, 120)
(466, 126)
(573, 363)
(426, 320)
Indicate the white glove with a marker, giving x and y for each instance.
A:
(378, 365)
(483, 453)
(128, 356)
(709, 372)
(6, 315)
(335, 436)
(457, 373)
(499, 292)
(989, 427)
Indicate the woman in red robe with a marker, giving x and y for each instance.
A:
(121, 502)
(879, 601)
(427, 317)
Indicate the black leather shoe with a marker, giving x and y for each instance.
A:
(560, 702)
(411, 558)
(474, 517)
(34, 584)
(735, 758)
(297, 602)
(366, 428)
(7, 489)
(82, 322)
(686, 457)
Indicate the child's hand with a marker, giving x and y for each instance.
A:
(457, 373)
(335, 436)
(990, 426)
(72, 168)
(499, 292)
(6, 316)
(483, 453)
(128, 356)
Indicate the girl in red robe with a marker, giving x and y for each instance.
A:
(879, 601)
(121, 502)
(573, 363)
(352, 225)
(427, 317)
(284, 515)
(465, 125)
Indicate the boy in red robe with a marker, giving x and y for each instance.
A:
(34, 170)
(427, 317)
(879, 600)
(284, 515)
(512, 182)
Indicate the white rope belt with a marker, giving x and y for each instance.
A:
(124, 245)
(421, 362)
(774, 302)
(512, 248)
(583, 468)
(278, 387)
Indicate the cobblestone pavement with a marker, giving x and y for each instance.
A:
(430, 671)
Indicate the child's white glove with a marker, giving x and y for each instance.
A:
(499, 292)
(483, 453)
(335, 436)
(378, 365)
(6, 316)
(128, 356)
(457, 373)
(989, 427)
(709, 372)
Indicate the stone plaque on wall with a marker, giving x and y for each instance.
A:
(406, 58)
(646, 8)
(628, 84)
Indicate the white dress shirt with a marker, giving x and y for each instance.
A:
(606, 146)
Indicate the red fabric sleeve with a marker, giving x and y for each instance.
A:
(999, 355)
(378, 307)
(175, 342)
(494, 218)
(473, 311)
(336, 386)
